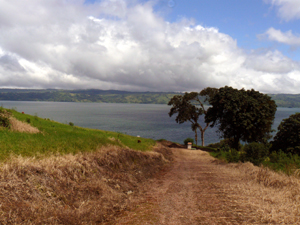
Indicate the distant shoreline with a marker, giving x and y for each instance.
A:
(115, 96)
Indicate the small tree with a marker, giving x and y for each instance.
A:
(185, 106)
(288, 136)
(187, 140)
(241, 115)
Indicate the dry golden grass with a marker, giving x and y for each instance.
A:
(19, 126)
(271, 196)
(87, 188)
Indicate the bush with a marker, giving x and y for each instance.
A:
(255, 152)
(225, 148)
(281, 161)
(232, 156)
(4, 118)
(4, 121)
(27, 120)
(229, 155)
(225, 143)
(71, 124)
(214, 145)
(186, 141)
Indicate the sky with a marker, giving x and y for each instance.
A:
(157, 45)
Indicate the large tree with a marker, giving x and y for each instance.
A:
(189, 107)
(287, 138)
(245, 115)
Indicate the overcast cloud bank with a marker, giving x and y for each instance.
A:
(115, 45)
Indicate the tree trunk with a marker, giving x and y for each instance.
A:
(236, 141)
(202, 133)
(202, 136)
(196, 137)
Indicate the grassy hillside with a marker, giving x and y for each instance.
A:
(53, 173)
(57, 138)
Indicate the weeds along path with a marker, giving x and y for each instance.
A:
(197, 190)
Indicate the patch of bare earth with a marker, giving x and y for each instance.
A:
(19, 126)
(197, 189)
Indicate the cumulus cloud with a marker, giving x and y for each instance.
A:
(285, 38)
(113, 45)
(287, 9)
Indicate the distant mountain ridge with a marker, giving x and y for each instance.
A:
(115, 96)
(88, 95)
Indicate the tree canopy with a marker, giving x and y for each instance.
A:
(189, 107)
(287, 138)
(245, 115)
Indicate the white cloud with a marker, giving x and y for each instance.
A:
(271, 62)
(285, 38)
(287, 9)
(111, 45)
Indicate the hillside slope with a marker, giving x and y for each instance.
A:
(58, 138)
(53, 173)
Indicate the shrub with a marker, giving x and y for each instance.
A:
(71, 124)
(225, 148)
(285, 162)
(232, 155)
(214, 145)
(229, 155)
(227, 143)
(4, 118)
(27, 120)
(219, 154)
(255, 152)
(186, 141)
(4, 121)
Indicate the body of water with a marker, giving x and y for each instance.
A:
(145, 120)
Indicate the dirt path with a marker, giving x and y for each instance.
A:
(193, 191)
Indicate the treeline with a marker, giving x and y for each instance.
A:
(113, 96)
(286, 100)
(91, 95)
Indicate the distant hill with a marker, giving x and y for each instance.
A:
(90, 95)
(114, 96)
(287, 100)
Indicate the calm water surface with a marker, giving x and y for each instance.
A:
(146, 120)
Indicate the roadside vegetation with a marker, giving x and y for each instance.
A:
(85, 188)
(53, 173)
(247, 116)
(281, 154)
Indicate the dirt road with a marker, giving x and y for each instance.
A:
(195, 190)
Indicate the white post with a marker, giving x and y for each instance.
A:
(189, 145)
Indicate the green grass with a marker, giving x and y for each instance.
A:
(58, 138)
